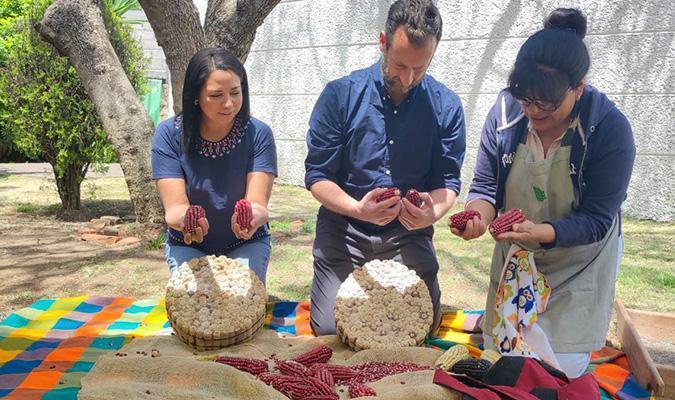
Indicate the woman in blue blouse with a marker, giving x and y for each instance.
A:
(212, 155)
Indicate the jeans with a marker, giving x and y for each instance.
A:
(254, 254)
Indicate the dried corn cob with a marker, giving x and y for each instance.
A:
(361, 390)
(451, 356)
(250, 365)
(340, 373)
(387, 194)
(504, 223)
(191, 219)
(472, 368)
(460, 219)
(490, 355)
(325, 376)
(320, 354)
(413, 196)
(292, 368)
(244, 213)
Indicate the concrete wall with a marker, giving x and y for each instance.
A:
(303, 44)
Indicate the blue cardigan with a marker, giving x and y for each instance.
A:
(601, 164)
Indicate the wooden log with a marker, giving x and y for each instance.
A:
(641, 363)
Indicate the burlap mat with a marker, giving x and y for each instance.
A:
(178, 372)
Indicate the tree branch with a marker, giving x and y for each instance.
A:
(179, 33)
(232, 23)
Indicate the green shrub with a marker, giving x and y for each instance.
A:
(46, 109)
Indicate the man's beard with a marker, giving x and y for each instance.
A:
(393, 84)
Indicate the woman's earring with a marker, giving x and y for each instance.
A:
(196, 102)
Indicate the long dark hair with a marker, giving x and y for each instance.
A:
(201, 65)
(553, 59)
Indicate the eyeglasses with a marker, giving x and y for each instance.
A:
(543, 105)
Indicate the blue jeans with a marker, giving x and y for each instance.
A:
(254, 254)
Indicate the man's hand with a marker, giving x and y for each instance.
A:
(413, 218)
(260, 217)
(382, 213)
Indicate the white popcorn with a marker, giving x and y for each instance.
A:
(214, 296)
(382, 305)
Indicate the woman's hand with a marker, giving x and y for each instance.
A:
(475, 228)
(260, 216)
(198, 235)
(528, 231)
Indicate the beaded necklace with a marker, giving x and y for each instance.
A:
(225, 145)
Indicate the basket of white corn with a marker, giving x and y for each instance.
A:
(383, 304)
(214, 302)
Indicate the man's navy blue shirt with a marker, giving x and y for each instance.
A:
(359, 139)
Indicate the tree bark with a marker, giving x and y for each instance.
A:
(232, 23)
(76, 29)
(179, 33)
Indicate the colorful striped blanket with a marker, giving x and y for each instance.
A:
(46, 348)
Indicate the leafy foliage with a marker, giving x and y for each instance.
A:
(44, 106)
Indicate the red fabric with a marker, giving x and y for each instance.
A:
(444, 379)
(531, 376)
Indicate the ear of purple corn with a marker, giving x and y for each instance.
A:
(191, 219)
(504, 223)
(460, 219)
(389, 193)
(413, 196)
(244, 213)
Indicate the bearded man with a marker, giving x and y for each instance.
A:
(390, 125)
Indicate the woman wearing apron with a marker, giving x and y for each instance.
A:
(560, 150)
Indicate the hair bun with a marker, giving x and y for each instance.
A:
(567, 18)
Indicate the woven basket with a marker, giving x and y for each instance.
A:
(211, 271)
(213, 342)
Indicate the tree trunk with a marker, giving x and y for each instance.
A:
(179, 33)
(76, 29)
(68, 186)
(229, 23)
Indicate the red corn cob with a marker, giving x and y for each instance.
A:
(301, 388)
(273, 379)
(292, 368)
(244, 213)
(413, 196)
(250, 365)
(504, 223)
(192, 215)
(340, 373)
(387, 194)
(325, 376)
(319, 354)
(460, 219)
(361, 390)
(322, 397)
